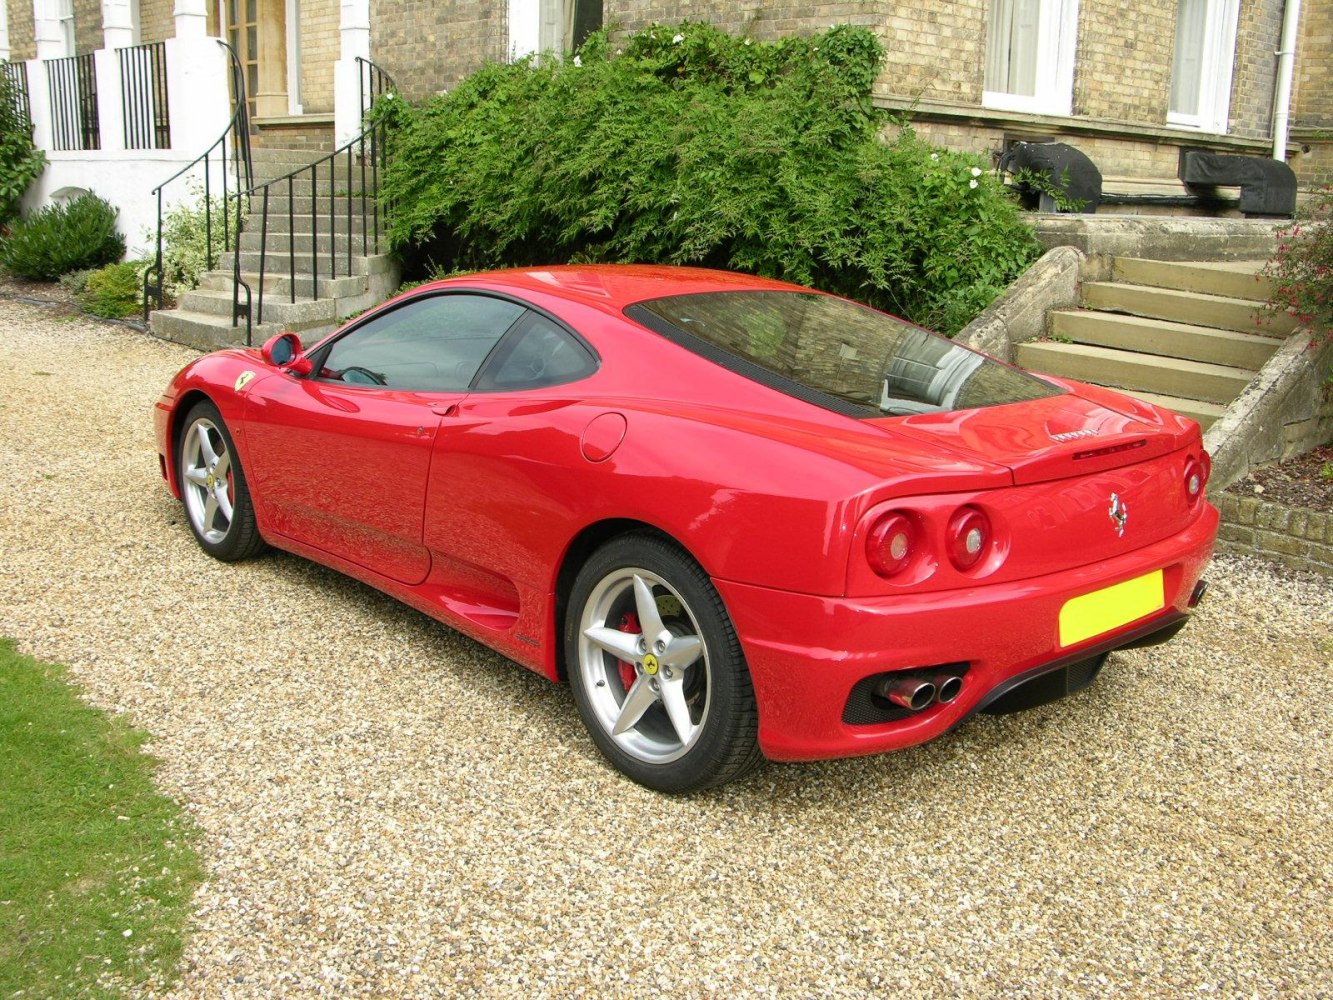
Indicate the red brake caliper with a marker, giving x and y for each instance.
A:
(630, 624)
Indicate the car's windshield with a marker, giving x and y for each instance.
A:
(829, 347)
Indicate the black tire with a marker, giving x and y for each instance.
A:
(206, 451)
(616, 678)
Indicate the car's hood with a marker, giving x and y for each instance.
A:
(1083, 431)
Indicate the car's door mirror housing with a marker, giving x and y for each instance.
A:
(283, 350)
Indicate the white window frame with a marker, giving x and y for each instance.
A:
(1217, 64)
(1057, 40)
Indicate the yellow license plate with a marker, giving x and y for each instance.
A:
(1103, 610)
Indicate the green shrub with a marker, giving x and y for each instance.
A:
(115, 291)
(186, 241)
(20, 161)
(691, 146)
(63, 238)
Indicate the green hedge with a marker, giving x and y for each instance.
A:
(691, 146)
(63, 238)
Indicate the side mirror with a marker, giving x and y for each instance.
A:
(284, 351)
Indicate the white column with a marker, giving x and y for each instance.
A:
(118, 27)
(354, 31)
(191, 18)
(53, 41)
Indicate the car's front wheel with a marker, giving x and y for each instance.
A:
(657, 671)
(212, 484)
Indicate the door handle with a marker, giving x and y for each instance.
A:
(445, 411)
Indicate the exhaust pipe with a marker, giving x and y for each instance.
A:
(911, 693)
(947, 687)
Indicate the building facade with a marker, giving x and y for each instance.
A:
(1128, 82)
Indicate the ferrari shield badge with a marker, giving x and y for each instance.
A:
(243, 379)
(1119, 514)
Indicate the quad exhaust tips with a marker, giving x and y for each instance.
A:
(916, 692)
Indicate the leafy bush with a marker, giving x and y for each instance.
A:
(63, 238)
(691, 146)
(114, 291)
(186, 241)
(20, 161)
(1302, 267)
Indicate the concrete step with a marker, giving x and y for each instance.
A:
(280, 285)
(301, 205)
(204, 331)
(1164, 338)
(1196, 409)
(1216, 311)
(275, 263)
(281, 222)
(299, 315)
(322, 241)
(1135, 372)
(1233, 279)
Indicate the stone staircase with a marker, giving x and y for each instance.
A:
(305, 251)
(1187, 336)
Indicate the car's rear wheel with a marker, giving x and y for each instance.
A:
(656, 668)
(212, 484)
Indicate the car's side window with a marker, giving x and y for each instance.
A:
(538, 353)
(433, 344)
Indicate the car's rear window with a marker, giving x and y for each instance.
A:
(835, 353)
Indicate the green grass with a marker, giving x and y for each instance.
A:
(96, 868)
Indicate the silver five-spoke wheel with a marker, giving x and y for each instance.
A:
(206, 470)
(656, 668)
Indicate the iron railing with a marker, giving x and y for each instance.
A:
(72, 85)
(237, 135)
(353, 174)
(143, 96)
(17, 76)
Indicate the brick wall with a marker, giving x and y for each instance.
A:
(1295, 538)
(87, 26)
(426, 45)
(1258, 34)
(1312, 98)
(156, 23)
(21, 43)
(320, 47)
(1123, 65)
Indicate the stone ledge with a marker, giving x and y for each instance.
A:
(1293, 537)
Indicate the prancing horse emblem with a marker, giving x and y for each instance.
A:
(1119, 514)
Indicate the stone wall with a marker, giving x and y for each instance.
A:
(1123, 69)
(320, 47)
(426, 45)
(1258, 36)
(156, 20)
(1295, 538)
(87, 26)
(21, 43)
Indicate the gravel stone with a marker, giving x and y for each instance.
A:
(389, 809)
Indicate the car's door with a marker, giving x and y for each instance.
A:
(340, 458)
(507, 465)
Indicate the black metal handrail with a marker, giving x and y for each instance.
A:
(17, 75)
(238, 132)
(364, 154)
(144, 104)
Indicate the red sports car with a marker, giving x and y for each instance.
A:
(741, 517)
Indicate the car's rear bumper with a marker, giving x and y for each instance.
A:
(807, 653)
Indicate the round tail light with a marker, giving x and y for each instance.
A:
(969, 537)
(890, 544)
(1196, 476)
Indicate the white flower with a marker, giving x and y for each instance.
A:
(934, 156)
(678, 39)
(748, 42)
(387, 95)
(578, 61)
(976, 172)
(972, 183)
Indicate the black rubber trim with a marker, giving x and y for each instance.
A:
(1151, 634)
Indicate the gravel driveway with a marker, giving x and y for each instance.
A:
(389, 809)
